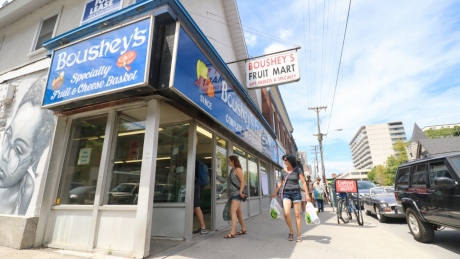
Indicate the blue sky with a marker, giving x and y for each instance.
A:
(400, 62)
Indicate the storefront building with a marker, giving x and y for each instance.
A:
(100, 148)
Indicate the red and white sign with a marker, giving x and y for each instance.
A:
(346, 186)
(271, 70)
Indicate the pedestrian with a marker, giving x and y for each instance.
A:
(236, 184)
(310, 189)
(197, 199)
(319, 194)
(291, 194)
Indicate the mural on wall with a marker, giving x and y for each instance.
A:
(24, 141)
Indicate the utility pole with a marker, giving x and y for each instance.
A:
(316, 160)
(320, 139)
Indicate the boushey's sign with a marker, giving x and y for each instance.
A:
(110, 62)
(271, 70)
(95, 9)
(198, 81)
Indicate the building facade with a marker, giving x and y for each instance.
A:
(372, 144)
(107, 108)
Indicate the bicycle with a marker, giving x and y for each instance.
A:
(345, 207)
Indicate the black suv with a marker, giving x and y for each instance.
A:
(427, 191)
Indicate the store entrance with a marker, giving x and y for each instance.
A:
(203, 162)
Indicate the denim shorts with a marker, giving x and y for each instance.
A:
(293, 195)
(236, 197)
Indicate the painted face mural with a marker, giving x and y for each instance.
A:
(23, 143)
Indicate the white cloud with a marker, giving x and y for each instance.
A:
(400, 63)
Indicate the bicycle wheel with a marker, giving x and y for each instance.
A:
(355, 211)
(342, 211)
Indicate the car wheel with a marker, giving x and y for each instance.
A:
(422, 231)
(380, 217)
(368, 213)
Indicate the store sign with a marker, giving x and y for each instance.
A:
(271, 70)
(95, 9)
(107, 63)
(346, 185)
(198, 81)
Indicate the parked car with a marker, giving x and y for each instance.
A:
(124, 193)
(381, 202)
(79, 195)
(363, 191)
(427, 191)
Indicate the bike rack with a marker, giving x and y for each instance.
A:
(348, 186)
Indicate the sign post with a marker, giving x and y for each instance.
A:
(343, 187)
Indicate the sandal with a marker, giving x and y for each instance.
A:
(230, 236)
(299, 239)
(291, 237)
(242, 232)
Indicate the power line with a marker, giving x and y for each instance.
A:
(340, 61)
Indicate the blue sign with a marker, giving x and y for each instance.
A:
(95, 9)
(108, 62)
(198, 80)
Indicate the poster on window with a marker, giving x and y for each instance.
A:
(84, 156)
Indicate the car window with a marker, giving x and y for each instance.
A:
(455, 162)
(438, 169)
(403, 176)
(123, 188)
(419, 175)
(365, 185)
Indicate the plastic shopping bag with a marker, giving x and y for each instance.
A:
(310, 215)
(276, 212)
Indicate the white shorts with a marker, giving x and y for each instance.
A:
(303, 196)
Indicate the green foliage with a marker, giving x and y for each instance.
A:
(443, 133)
(385, 174)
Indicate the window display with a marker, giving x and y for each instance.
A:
(171, 167)
(81, 166)
(123, 180)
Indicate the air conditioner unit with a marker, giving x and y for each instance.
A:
(6, 93)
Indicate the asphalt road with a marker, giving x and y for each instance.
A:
(446, 244)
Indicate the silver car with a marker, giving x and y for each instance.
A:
(381, 202)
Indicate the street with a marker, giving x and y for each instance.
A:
(266, 238)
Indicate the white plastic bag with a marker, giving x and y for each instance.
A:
(276, 212)
(310, 215)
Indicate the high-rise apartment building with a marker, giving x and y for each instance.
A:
(372, 144)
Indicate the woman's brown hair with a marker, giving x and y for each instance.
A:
(235, 161)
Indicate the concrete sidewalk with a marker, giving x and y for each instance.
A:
(266, 238)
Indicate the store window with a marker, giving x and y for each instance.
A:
(123, 181)
(221, 169)
(264, 178)
(82, 160)
(171, 167)
(253, 177)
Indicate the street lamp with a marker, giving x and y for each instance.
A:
(320, 140)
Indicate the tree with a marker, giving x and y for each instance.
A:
(385, 174)
(443, 133)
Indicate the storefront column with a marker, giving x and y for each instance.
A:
(190, 186)
(143, 223)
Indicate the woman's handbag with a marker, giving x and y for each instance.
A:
(310, 215)
(276, 212)
(226, 213)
